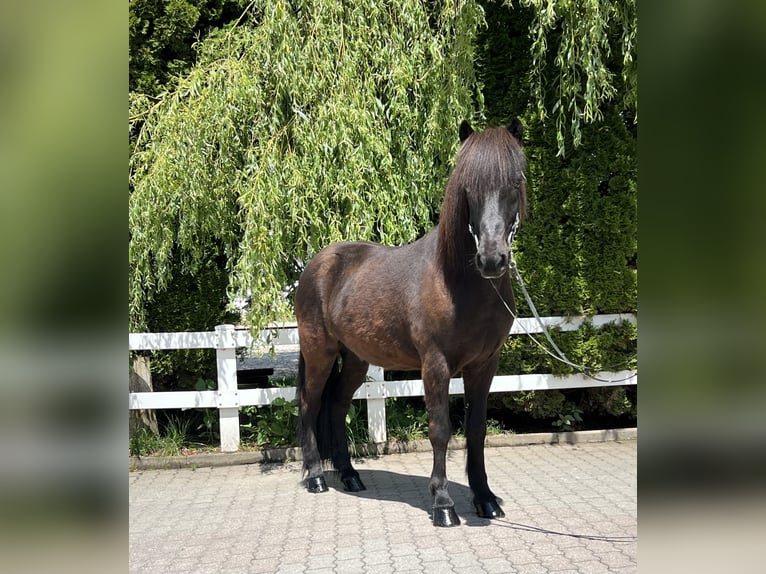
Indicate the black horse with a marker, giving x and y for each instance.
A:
(431, 305)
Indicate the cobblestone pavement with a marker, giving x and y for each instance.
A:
(569, 509)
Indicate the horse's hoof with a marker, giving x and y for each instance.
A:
(353, 484)
(489, 510)
(316, 484)
(445, 517)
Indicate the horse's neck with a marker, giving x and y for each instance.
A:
(479, 290)
(455, 257)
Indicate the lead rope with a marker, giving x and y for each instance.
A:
(561, 356)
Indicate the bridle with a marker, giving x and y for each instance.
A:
(511, 235)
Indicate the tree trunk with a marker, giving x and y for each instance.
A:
(141, 382)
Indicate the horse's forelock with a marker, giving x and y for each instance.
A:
(487, 161)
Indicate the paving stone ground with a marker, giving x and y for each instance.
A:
(569, 509)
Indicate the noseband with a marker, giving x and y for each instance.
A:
(511, 235)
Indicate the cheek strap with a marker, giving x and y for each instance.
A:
(514, 229)
(475, 237)
(511, 235)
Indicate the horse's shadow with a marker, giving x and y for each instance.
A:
(413, 490)
(409, 489)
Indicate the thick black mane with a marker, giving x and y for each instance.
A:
(487, 161)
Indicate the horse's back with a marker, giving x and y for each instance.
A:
(364, 296)
(332, 269)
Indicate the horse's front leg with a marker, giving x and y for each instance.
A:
(477, 379)
(436, 376)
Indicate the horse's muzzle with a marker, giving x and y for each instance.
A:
(492, 266)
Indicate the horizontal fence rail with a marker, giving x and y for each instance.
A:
(228, 398)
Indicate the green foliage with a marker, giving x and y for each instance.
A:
(406, 419)
(494, 427)
(567, 410)
(283, 381)
(613, 401)
(190, 303)
(611, 347)
(540, 405)
(170, 442)
(324, 121)
(584, 55)
(162, 35)
(271, 426)
(577, 251)
(356, 425)
(317, 121)
(569, 419)
(362, 144)
(210, 425)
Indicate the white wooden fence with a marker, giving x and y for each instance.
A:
(228, 399)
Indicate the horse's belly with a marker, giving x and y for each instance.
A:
(375, 330)
(379, 342)
(382, 357)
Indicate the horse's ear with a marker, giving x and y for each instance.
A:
(465, 130)
(517, 130)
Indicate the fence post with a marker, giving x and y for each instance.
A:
(227, 395)
(375, 391)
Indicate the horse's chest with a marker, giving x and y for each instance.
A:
(488, 329)
(480, 331)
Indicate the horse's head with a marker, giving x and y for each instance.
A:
(491, 166)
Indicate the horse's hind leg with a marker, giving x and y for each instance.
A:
(352, 375)
(314, 371)
(477, 380)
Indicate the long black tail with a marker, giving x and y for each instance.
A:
(324, 434)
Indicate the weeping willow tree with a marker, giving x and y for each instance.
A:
(306, 123)
(572, 45)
